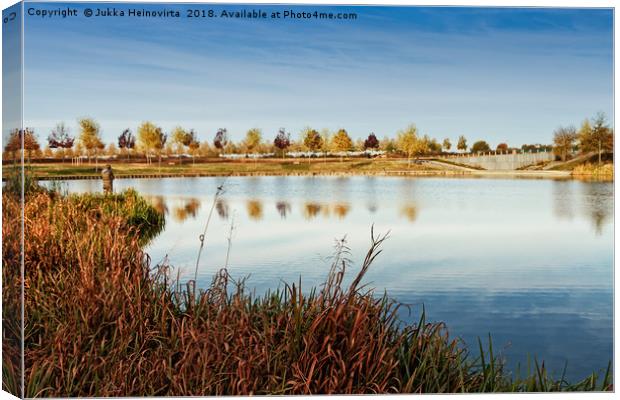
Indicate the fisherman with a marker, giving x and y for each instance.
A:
(108, 179)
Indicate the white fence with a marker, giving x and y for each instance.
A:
(307, 154)
(506, 161)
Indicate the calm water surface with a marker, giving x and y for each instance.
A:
(529, 261)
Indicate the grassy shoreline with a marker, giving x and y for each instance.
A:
(356, 167)
(595, 171)
(272, 166)
(95, 311)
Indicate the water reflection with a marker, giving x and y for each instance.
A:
(158, 202)
(341, 188)
(183, 209)
(283, 208)
(255, 209)
(341, 210)
(371, 187)
(408, 189)
(569, 200)
(598, 204)
(410, 212)
(221, 206)
(311, 210)
(595, 202)
(189, 209)
(563, 198)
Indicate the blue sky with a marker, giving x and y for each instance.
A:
(504, 75)
(11, 79)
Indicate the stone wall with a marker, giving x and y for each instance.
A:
(511, 161)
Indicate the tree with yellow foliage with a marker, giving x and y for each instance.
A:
(407, 141)
(90, 137)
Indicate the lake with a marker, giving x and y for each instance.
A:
(529, 261)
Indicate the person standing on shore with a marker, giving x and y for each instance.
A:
(108, 179)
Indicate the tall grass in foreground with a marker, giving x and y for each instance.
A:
(99, 322)
(11, 282)
(604, 171)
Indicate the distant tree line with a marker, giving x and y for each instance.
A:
(152, 142)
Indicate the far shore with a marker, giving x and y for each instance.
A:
(330, 167)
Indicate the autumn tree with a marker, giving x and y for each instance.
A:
(447, 145)
(221, 139)
(388, 145)
(192, 142)
(502, 147)
(160, 143)
(204, 149)
(583, 135)
(179, 137)
(282, 141)
(59, 138)
(14, 144)
(90, 138)
(18, 137)
(126, 141)
(462, 143)
(47, 152)
(186, 139)
(169, 149)
(312, 139)
(480, 146)
(358, 144)
(341, 141)
(596, 137)
(31, 144)
(151, 138)
(563, 141)
(535, 148)
(407, 142)
(252, 139)
(326, 136)
(111, 150)
(371, 142)
(430, 145)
